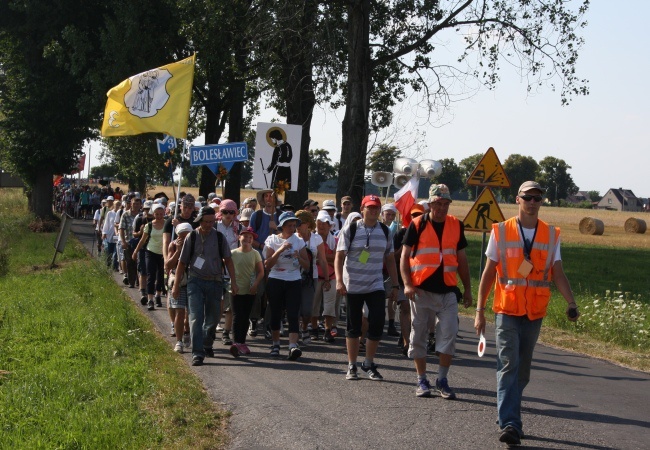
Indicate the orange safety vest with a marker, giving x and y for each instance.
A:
(528, 295)
(430, 254)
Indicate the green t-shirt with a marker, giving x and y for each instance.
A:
(245, 263)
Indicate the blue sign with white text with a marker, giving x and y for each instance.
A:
(218, 154)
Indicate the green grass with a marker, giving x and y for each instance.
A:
(80, 367)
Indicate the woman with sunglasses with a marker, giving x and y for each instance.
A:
(229, 226)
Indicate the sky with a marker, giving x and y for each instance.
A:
(604, 137)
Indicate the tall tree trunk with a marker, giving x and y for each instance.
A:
(215, 122)
(299, 94)
(42, 191)
(236, 120)
(354, 142)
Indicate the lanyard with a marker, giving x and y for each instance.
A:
(528, 244)
(368, 233)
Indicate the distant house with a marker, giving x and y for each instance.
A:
(620, 200)
(579, 197)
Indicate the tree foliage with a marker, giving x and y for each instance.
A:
(554, 176)
(451, 175)
(320, 168)
(382, 159)
(518, 168)
(104, 171)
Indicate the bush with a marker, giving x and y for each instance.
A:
(44, 226)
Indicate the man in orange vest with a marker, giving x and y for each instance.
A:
(433, 254)
(523, 257)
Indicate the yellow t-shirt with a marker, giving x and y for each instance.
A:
(245, 263)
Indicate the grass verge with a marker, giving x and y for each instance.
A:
(80, 367)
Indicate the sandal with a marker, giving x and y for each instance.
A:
(275, 350)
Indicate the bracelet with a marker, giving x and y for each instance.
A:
(480, 309)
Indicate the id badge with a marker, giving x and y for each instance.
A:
(198, 263)
(363, 257)
(525, 268)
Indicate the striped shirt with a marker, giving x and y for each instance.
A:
(359, 277)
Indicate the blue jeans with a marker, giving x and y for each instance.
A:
(516, 337)
(204, 304)
(109, 254)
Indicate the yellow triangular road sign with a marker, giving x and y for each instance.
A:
(489, 172)
(484, 213)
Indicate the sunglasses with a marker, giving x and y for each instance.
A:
(414, 215)
(313, 211)
(227, 211)
(527, 198)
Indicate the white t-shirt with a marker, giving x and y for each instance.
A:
(287, 267)
(312, 244)
(492, 252)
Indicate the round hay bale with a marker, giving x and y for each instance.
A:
(591, 225)
(634, 225)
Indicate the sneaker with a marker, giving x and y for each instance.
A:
(445, 391)
(352, 372)
(178, 347)
(234, 350)
(313, 334)
(186, 339)
(309, 327)
(219, 328)
(197, 361)
(267, 334)
(143, 300)
(510, 436)
(294, 353)
(321, 326)
(226, 338)
(392, 331)
(243, 348)
(334, 332)
(172, 333)
(275, 350)
(306, 339)
(209, 351)
(150, 305)
(125, 280)
(252, 330)
(328, 337)
(423, 389)
(158, 302)
(372, 372)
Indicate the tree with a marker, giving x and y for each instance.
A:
(390, 46)
(104, 171)
(466, 167)
(554, 176)
(518, 168)
(451, 175)
(382, 159)
(594, 196)
(320, 168)
(42, 132)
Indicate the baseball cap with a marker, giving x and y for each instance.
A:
(371, 200)
(211, 195)
(346, 198)
(530, 185)
(417, 208)
(329, 204)
(248, 230)
(189, 199)
(205, 211)
(438, 192)
(147, 204)
(309, 202)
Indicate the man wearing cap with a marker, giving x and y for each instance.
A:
(97, 222)
(358, 266)
(202, 257)
(108, 232)
(523, 258)
(346, 209)
(250, 202)
(433, 257)
(138, 230)
(311, 206)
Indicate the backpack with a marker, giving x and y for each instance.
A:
(338, 218)
(353, 231)
(193, 241)
(258, 218)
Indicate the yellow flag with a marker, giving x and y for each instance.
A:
(157, 100)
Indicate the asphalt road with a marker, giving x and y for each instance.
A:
(572, 401)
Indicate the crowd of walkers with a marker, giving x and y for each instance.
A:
(265, 267)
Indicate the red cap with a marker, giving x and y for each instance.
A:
(371, 200)
(417, 209)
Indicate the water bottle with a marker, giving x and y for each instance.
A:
(510, 286)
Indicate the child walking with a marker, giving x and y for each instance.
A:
(249, 269)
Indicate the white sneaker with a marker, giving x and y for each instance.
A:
(306, 338)
(219, 328)
(178, 347)
(186, 339)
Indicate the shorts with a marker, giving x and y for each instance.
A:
(308, 292)
(424, 311)
(330, 301)
(180, 303)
